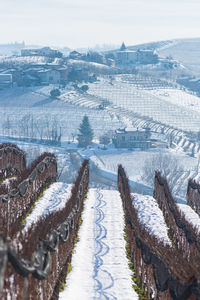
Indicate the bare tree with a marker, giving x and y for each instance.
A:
(104, 139)
(6, 126)
(166, 164)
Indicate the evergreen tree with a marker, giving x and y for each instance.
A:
(123, 47)
(86, 133)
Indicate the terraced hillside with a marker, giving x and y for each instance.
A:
(165, 109)
(185, 51)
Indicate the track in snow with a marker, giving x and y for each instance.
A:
(101, 249)
(53, 199)
(99, 264)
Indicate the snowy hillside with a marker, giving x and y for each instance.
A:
(35, 102)
(134, 162)
(185, 51)
(165, 109)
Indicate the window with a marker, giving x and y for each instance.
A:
(123, 138)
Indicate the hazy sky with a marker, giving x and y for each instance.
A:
(82, 23)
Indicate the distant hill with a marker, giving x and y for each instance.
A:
(152, 45)
(185, 51)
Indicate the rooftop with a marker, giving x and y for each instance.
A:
(129, 129)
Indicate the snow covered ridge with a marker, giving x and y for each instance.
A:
(54, 199)
(190, 215)
(182, 231)
(164, 270)
(151, 217)
(47, 244)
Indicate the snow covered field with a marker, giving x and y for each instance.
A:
(134, 163)
(179, 98)
(20, 105)
(167, 110)
(190, 215)
(99, 264)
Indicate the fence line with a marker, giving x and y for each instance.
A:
(50, 249)
(163, 271)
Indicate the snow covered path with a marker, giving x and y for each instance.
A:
(99, 264)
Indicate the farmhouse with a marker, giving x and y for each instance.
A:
(132, 138)
(64, 72)
(127, 57)
(48, 76)
(147, 56)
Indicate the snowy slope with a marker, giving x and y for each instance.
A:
(53, 199)
(99, 264)
(146, 103)
(67, 111)
(190, 215)
(178, 97)
(134, 162)
(151, 216)
(185, 51)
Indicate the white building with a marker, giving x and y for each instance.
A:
(48, 76)
(132, 138)
(147, 56)
(128, 57)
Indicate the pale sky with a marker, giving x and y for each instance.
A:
(85, 23)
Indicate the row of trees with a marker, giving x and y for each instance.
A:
(47, 129)
(33, 128)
